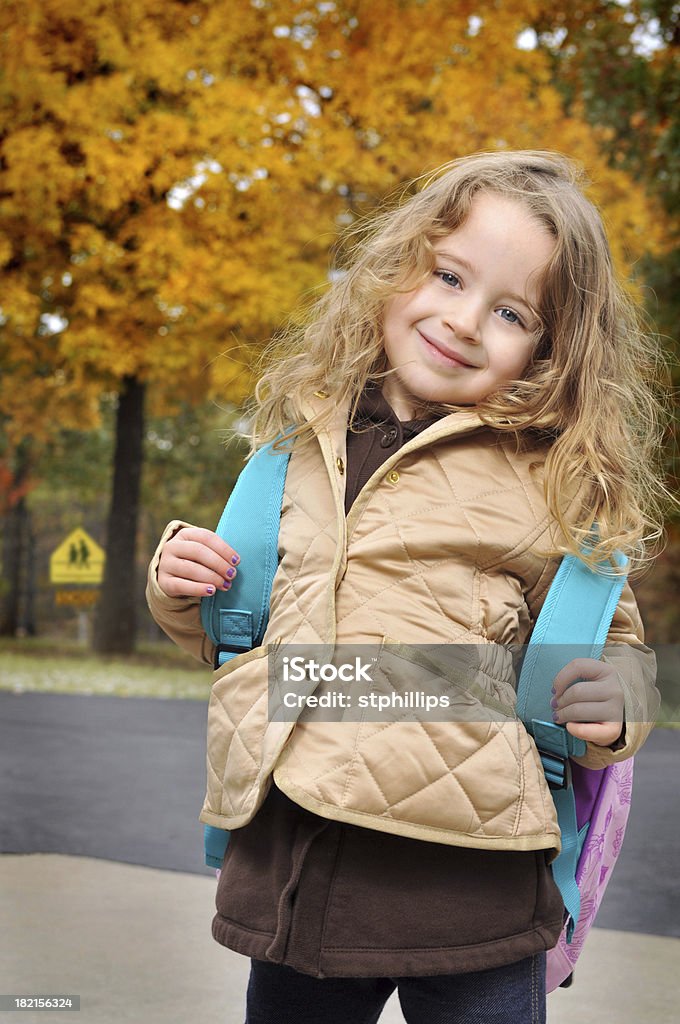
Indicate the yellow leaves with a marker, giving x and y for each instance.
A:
(267, 126)
(634, 223)
(36, 407)
(113, 175)
(96, 300)
(5, 249)
(108, 349)
(37, 177)
(28, 82)
(100, 106)
(20, 308)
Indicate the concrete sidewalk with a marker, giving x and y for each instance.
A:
(134, 943)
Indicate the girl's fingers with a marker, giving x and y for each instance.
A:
(590, 691)
(585, 682)
(588, 699)
(197, 573)
(207, 539)
(593, 711)
(581, 669)
(173, 586)
(601, 733)
(174, 568)
(189, 553)
(196, 563)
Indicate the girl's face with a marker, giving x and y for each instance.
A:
(469, 328)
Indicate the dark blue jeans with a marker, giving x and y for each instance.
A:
(503, 995)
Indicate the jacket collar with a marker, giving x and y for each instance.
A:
(463, 421)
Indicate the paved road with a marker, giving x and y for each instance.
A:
(122, 779)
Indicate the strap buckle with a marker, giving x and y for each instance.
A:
(230, 649)
(555, 746)
(557, 769)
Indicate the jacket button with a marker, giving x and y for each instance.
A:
(393, 477)
(389, 437)
(341, 465)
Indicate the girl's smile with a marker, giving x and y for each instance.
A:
(442, 353)
(471, 326)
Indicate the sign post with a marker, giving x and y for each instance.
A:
(77, 569)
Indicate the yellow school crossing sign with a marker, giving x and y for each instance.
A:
(78, 559)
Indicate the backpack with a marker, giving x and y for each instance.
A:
(592, 804)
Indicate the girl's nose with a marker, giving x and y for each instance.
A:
(463, 318)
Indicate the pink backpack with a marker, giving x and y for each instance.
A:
(602, 798)
(592, 805)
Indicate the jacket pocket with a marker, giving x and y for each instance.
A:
(243, 743)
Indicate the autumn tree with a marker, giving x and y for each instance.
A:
(618, 65)
(113, 281)
(174, 172)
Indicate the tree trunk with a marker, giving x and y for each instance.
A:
(15, 536)
(116, 627)
(11, 569)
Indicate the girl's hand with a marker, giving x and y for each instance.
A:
(592, 707)
(196, 563)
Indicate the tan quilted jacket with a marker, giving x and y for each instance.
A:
(445, 544)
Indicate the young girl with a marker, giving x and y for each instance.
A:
(467, 401)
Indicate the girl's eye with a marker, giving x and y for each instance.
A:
(511, 318)
(448, 277)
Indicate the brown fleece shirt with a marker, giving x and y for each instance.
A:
(336, 900)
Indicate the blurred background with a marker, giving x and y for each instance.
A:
(174, 175)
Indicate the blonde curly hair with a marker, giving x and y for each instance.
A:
(588, 393)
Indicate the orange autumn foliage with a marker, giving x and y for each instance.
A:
(173, 173)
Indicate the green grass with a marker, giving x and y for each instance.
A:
(54, 666)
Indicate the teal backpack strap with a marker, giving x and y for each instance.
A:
(235, 620)
(573, 623)
(215, 842)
